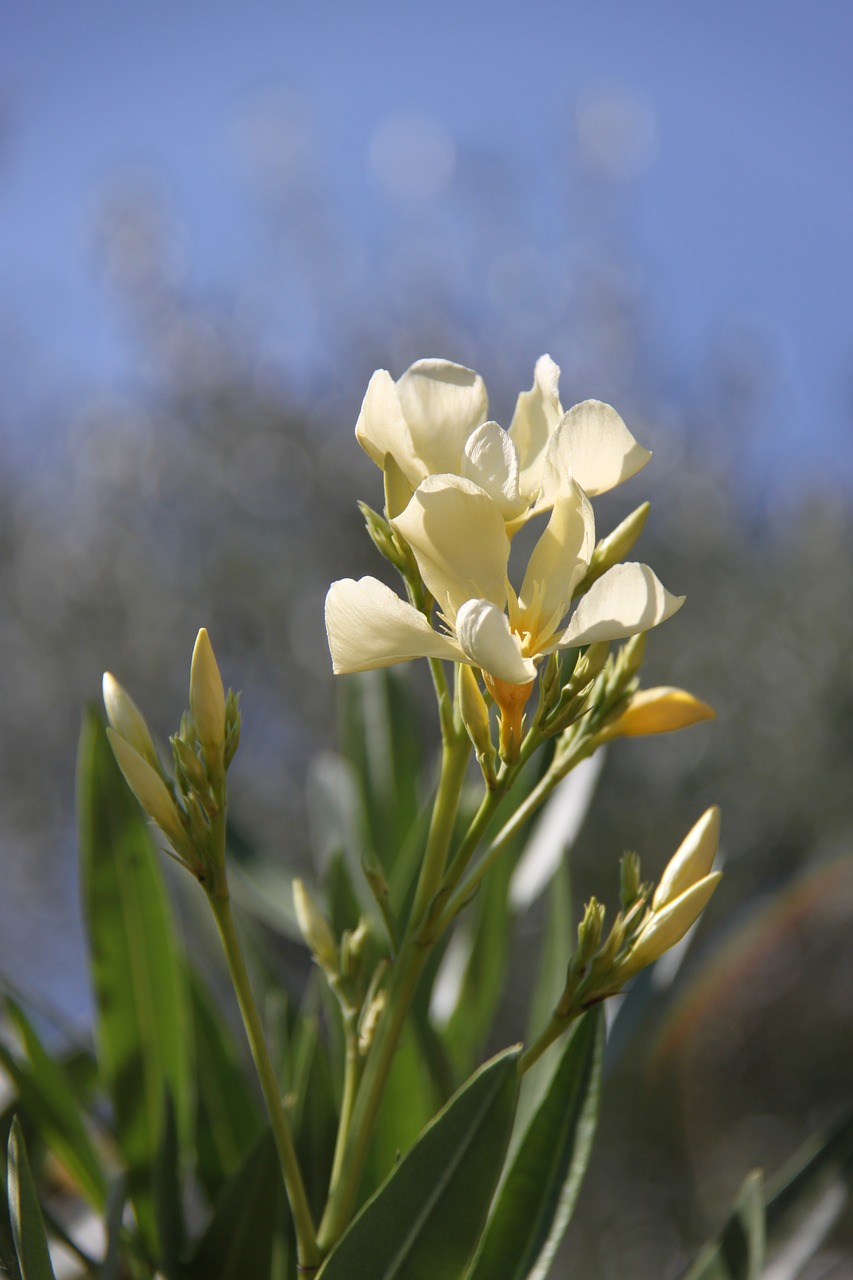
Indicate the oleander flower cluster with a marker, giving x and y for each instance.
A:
(458, 489)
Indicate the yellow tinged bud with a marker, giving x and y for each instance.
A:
(314, 929)
(149, 789)
(661, 710)
(207, 695)
(127, 720)
(614, 548)
(475, 713)
(692, 861)
(669, 925)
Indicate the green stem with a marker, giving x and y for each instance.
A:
(555, 1028)
(306, 1238)
(525, 810)
(352, 1072)
(405, 973)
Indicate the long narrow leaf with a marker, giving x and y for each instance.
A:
(250, 1216)
(740, 1250)
(538, 1196)
(228, 1116)
(143, 1029)
(28, 1230)
(47, 1097)
(424, 1222)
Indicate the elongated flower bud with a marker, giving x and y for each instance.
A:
(149, 789)
(661, 710)
(207, 696)
(692, 860)
(315, 930)
(615, 547)
(669, 925)
(127, 720)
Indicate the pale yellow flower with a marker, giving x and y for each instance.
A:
(433, 421)
(460, 541)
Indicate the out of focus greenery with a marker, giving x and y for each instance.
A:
(216, 493)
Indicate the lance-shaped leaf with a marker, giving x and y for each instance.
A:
(143, 1031)
(538, 1196)
(28, 1231)
(240, 1239)
(51, 1107)
(740, 1250)
(227, 1116)
(426, 1219)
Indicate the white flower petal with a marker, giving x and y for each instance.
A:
(485, 637)
(592, 444)
(537, 413)
(490, 460)
(460, 542)
(558, 562)
(369, 626)
(625, 600)
(382, 428)
(442, 404)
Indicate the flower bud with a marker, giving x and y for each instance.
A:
(315, 930)
(207, 696)
(668, 926)
(692, 860)
(614, 548)
(149, 789)
(661, 710)
(127, 720)
(475, 717)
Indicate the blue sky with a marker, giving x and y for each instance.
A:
(740, 213)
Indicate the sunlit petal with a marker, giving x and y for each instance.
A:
(592, 444)
(537, 413)
(692, 861)
(459, 539)
(484, 634)
(382, 428)
(489, 459)
(442, 404)
(559, 561)
(627, 599)
(369, 626)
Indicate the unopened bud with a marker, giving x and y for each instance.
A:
(475, 717)
(369, 1022)
(207, 697)
(692, 860)
(631, 656)
(232, 726)
(187, 765)
(629, 875)
(315, 930)
(382, 536)
(149, 789)
(614, 548)
(353, 946)
(589, 931)
(127, 720)
(661, 710)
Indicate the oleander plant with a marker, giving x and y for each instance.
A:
(366, 1123)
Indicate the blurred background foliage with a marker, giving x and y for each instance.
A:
(218, 489)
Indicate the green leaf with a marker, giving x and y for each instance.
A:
(28, 1230)
(489, 919)
(143, 1029)
(113, 1265)
(241, 1238)
(739, 1252)
(380, 740)
(228, 1118)
(538, 1196)
(408, 1103)
(9, 1268)
(52, 1108)
(424, 1222)
(168, 1197)
(804, 1200)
